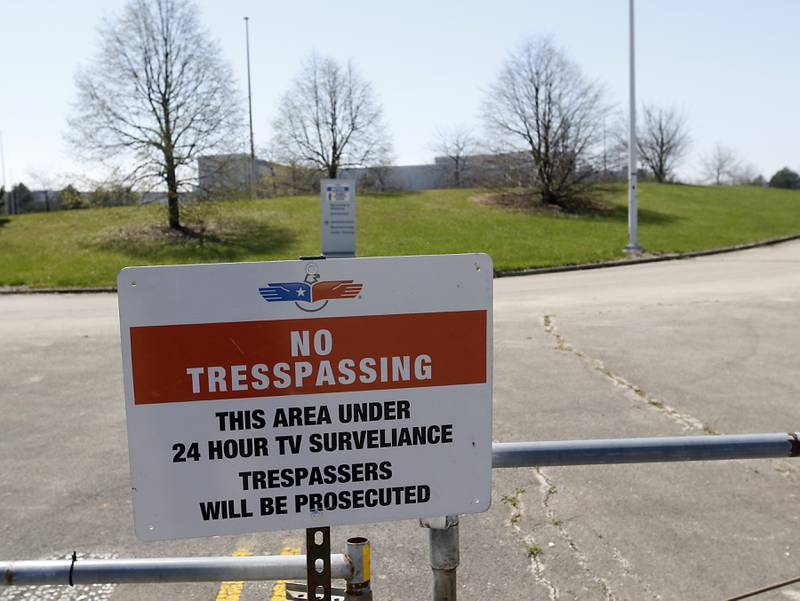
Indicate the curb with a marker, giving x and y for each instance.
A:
(646, 259)
(497, 274)
(26, 290)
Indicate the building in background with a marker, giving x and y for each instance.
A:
(229, 175)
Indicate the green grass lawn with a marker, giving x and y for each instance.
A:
(89, 247)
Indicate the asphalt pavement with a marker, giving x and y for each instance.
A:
(705, 345)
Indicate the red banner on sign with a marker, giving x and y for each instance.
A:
(200, 362)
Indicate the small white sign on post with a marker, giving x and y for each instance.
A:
(338, 217)
(295, 394)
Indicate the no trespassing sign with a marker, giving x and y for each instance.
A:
(294, 394)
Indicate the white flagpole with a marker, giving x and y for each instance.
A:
(633, 217)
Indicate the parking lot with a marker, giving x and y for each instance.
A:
(707, 345)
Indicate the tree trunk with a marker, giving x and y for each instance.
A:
(173, 209)
(549, 197)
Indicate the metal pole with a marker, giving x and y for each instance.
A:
(645, 450)
(633, 215)
(443, 542)
(250, 106)
(359, 586)
(155, 570)
(3, 162)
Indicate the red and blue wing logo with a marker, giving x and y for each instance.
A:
(286, 291)
(311, 292)
(336, 289)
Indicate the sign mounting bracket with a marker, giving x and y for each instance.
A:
(318, 563)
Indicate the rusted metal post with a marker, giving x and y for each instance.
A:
(318, 563)
(443, 539)
(359, 587)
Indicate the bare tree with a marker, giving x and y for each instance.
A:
(157, 95)
(721, 166)
(330, 119)
(662, 140)
(455, 145)
(615, 144)
(542, 103)
(746, 174)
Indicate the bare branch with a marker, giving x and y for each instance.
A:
(721, 166)
(662, 140)
(157, 95)
(330, 119)
(455, 145)
(543, 105)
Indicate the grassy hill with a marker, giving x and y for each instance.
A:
(89, 247)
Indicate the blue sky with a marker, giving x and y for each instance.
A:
(730, 65)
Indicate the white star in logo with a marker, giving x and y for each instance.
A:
(301, 292)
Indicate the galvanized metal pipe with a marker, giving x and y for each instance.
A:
(179, 569)
(445, 558)
(645, 450)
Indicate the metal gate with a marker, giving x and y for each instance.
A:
(318, 567)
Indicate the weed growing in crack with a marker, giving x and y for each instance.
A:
(513, 500)
(533, 550)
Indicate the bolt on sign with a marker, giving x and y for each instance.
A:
(295, 394)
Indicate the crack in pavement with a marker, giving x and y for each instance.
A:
(687, 422)
(627, 570)
(547, 490)
(537, 567)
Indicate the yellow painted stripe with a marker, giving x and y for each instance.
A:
(279, 588)
(230, 591)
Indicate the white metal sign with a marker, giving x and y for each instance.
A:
(338, 216)
(293, 394)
